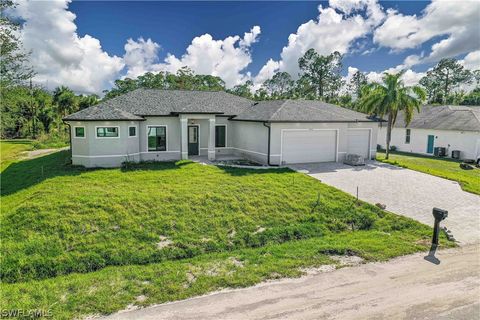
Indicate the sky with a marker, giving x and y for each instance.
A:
(86, 45)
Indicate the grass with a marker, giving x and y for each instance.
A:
(83, 242)
(450, 169)
(11, 150)
(115, 288)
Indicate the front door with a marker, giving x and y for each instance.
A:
(193, 139)
(430, 142)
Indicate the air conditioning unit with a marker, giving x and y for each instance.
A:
(456, 154)
(440, 151)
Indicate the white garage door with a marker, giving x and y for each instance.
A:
(358, 142)
(302, 146)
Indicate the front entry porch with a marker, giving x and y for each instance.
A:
(192, 126)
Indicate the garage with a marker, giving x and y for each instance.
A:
(308, 145)
(358, 142)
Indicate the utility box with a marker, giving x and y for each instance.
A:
(456, 154)
(354, 160)
(439, 151)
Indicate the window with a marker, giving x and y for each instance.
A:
(407, 136)
(220, 136)
(79, 132)
(157, 138)
(132, 131)
(107, 132)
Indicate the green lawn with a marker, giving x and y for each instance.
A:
(83, 242)
(10, 151)
(450, 169)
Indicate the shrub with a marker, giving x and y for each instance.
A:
(45, 141)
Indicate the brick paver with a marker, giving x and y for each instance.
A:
(406, 192)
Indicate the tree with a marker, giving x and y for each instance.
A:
(358, 80)
(304, 89)
(243, 90)
(390, 98)
(45, 112)
(447, 75)
(15, 110)
(13, 59)
(183, 79)
(280, 86)
(121, 87)
(476, 77)
(432, 87)
(65, 100)
(472, 98)
(87, 101)
(208, 83)
(152, 80)
(322, 72)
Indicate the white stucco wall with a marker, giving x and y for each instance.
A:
(204, 131)
(173, 139)
(112, 152)
(250, 140)
(245, 139)
(93, 151)
(468, 142)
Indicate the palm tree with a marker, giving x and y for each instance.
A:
(65, 100)
(389, 98)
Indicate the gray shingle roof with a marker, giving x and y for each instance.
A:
(102, 112)
(444, 118)
(300, 111)
(153, 102)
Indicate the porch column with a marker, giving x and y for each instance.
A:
(184, 138)
(211, 139)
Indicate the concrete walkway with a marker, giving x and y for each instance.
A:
(406, 192)
(40, 152)
(408, 287)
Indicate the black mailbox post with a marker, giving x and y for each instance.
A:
(439, 215)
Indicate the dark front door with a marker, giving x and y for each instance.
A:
(193, 139)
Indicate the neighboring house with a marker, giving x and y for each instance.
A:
(449, 127)
(161, 125)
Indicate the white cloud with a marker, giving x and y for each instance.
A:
(141, 56)
(472, 60)
(250, 37)
(62, 57)
(267, 72)
(409, 78)
(225, 58)
(455, 21)
(59, 55)
(336, 29)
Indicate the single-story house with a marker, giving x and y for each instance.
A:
(162, 125)
(450, 128)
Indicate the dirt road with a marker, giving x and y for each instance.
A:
(404, 288)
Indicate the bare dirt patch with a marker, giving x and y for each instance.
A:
(164, 242)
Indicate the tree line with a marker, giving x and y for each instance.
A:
(30, 110)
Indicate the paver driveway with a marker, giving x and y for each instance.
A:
(406, 192)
